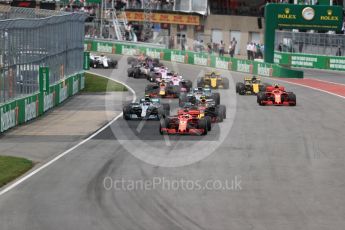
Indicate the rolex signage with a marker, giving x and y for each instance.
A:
(314, 17)
(329, 16)
(306, 17)
(287, 15)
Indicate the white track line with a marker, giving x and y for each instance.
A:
(310, 87)
(330, 82)
(26, 177)
(292, 83)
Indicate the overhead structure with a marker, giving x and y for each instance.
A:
(307, 17)
(114, 23)
(147, 32)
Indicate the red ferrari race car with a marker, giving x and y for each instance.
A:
(276, 95)
(186, 122)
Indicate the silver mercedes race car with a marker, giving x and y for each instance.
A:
(147, 108)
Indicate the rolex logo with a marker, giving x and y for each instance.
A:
(329, 12)
(287, 10)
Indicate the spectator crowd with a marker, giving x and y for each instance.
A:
(254, 50)
(154, 4)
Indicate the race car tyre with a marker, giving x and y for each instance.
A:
(113, 64)
(126, 115)
(136, 73)
(155, 61)
(189, 84)
(261, 97)
(182, 99)
(209, 123)
(262, 88)
(93, 64)
(161, 113)
(130, 72)
(175, 90)
(151, 88)
(216, 98)
(130, 60)
(220, 113)
(164, 124)
(202, 124)
(292, 99)
(200, 82)
(238, 87)
(223, 110)
(225, 83)
(166, 108)
(151, 77)
(241, 89)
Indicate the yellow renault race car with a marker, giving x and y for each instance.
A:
(250, 86)
(213, 80)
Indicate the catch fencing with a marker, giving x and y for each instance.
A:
(310, 43)
(32, 38)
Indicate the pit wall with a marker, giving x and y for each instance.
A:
(310, 61)
(193, 58)
(22, 110)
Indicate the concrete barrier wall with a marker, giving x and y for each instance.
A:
(22, 110)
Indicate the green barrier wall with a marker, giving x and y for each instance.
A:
(310, 61)
(22, 110)
(188, 57)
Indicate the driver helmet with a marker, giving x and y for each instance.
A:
(203, 99)
(147, 98)
(186, 115)
(276, 86)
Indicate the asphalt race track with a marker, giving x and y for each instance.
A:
(287, 164)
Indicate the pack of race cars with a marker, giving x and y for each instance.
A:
(199, 107)
(266, 94)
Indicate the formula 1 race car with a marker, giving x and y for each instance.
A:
(146, 71)
(213, 80)
(102, 62)
(208, 108)
(177, 80)
(159, 74)
(195, 95)
(139, 71)
(276, 95)
(133, 61)
(250, 86)
(147, 108)
(185, 122)
(166, 89)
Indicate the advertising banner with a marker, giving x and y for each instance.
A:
(25, 109)
(165, 18)
(86, 61)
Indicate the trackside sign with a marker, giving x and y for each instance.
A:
(8, 117)
(295, 16)
(200, 60)
(264, 70)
